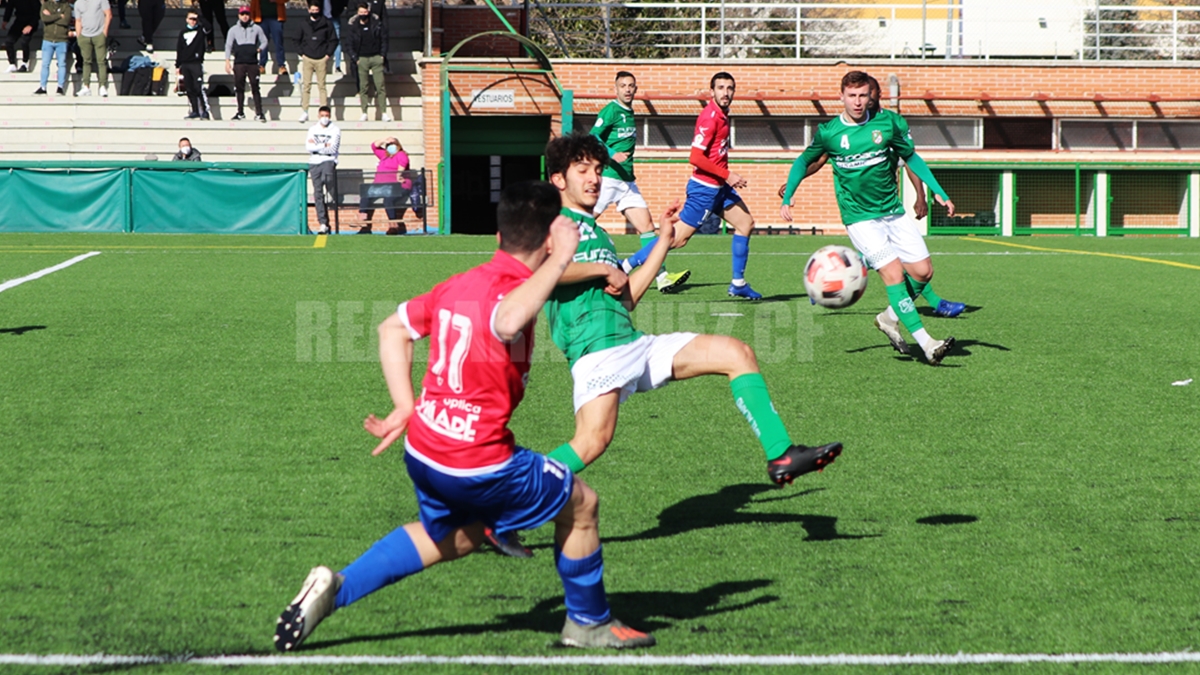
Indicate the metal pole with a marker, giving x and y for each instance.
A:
(924, 11)
(703, 32)
(607, 31)
(949, 29)
(721, 53)
(1097, 30)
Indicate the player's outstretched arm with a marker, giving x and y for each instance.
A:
(643, 277)
(396, 357)
(523, 303)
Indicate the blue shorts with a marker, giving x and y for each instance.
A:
(525, 494)
(703, 200)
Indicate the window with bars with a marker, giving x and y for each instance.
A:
(1128, 135)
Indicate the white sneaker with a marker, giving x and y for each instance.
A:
(303, 116)
(103, 92)
(937, 349)
(892, 330)
(314, 603)
(12, 68)
(363, 117)
(387, 117)
(83, 91)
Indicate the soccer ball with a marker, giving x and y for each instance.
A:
(835, 277)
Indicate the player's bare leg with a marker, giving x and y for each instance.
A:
(902, 310)
(595, 424)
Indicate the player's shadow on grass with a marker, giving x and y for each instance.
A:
(948, 519)
(645, 610)
(21, 330)
(962, 347)
(725, 507)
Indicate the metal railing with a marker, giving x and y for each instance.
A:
(1063, 29)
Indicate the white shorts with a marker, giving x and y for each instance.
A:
(625, 195)
(882, 240)
(642, 365)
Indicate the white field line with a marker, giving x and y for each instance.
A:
(696, 660)
(49, 270)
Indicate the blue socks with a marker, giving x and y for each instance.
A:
(583, 587)
(741, 253)
(638, 259)
(389, 560)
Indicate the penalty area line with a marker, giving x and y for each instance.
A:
(49, 270)
(638, 661)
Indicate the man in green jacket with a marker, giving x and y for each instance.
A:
(56, 16)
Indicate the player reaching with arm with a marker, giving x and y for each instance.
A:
(860, 145)
(941, 307)
(617, 129)
(590, 321)
(465, 468)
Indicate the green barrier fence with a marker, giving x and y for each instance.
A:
(177, 197)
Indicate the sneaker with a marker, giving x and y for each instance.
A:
(892, 330)
(363, 117)
(612, 634)
(304, 116)
(387, 117)
(60, 91)
(260, 118)
(149, 48)
(239, 116)
(324, 230)
(23, 68)
(364, 230)
(103, 92)
(40, 91)
(141, 41)
(508, 544)
(283, 70)
(12, 68)
(949, 309)
(670, 283)
(744, 291)
(205, 116)
(192, 116)
(314, 603)
(801, 459)
(125, 24)
(937, 349)
(83, 91)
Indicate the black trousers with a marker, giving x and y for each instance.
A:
(241, 73)
(152, 13)
(15, 39)
(214, 10)
(192, 75)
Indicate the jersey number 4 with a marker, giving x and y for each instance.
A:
(845, 142)
(458, 353)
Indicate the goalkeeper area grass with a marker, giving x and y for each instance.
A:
(182, 440)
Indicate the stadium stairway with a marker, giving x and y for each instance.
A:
(77, 128)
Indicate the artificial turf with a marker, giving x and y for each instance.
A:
(180, 420)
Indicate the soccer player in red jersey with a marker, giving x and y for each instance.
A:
(467, 472)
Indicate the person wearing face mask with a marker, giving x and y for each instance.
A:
(186, 152)
(324, 139)
(242, 47)
(366, 45)
(317, 44)
(392, 161)
(189, 63)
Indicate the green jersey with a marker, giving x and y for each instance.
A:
(618, 132)
(864, 158)
(583, 318)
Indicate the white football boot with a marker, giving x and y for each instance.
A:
(314, 603)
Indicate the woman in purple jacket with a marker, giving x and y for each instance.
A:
(392, 161)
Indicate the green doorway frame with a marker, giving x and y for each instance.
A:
(566, 98)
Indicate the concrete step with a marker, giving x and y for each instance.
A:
(25, 111)
(362, 161)
(242, 132)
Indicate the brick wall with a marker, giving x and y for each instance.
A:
(453, 24)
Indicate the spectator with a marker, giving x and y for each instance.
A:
(333, 10)
(56, 16)
(379, 9)
(324, 139)
(243, 44)
(152, 13)
(121, 13)
(92, 18)
(214, 10)
(317, 42)
(20, 20)
(366, 44)
(186, 152)
(392, 160)
(189, 63)
(271, 14)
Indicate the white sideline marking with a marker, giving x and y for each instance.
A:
(697, 660)
(49, 270)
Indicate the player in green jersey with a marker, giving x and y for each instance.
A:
(590, 321)
(617, 130)
(864, 148)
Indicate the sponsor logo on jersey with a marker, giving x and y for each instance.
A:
(862, 159)
(626, 132)
(454, 419)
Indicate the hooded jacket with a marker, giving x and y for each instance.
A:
(356, 27)
(243, 43)
(317, 39)
(192, 44)
(56, 15)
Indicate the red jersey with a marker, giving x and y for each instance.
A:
(474, 380)
(712, 138)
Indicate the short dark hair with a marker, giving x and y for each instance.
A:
(524, 215)
(564, 151)
(855, 79)
(362, 4)
(185, 138)
(874, 92)
(720, 76)
(325, 108)
(624, 73)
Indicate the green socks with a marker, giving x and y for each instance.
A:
(902, 303)
(566, 454)
(646, 238)
(923, 289)
(752, 399)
